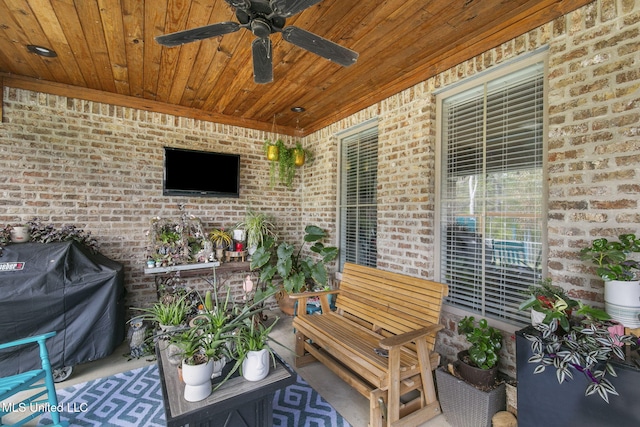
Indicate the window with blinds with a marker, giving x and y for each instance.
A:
(491, 193)
(358, 197)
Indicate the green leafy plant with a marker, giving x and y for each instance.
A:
(586, 346)
(220, 238)
(611, 257)
(48, 233)
(189, 341)
(212, 334)
(285, 165)
(486, 341)
(169, 313)
(253, 337)
(301, 154)
(287, 262)
(551, 300)
(5, 236)
(258, 227)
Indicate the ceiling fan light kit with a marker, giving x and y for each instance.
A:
(263, 18)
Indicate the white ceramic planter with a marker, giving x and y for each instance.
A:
(622, 301)
(256, 365)
(217, 367)
(197, 379)
(20, 234)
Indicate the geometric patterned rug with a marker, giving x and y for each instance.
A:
(134, 398)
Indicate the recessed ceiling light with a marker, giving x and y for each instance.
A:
(42, 51)
(297, 109)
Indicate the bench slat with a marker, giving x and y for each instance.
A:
(395, 319)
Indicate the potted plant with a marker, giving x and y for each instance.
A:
(284, 164)
(297, 273)
(20, 233)
(545, 301)
(258, 227)
(300, 154)
(272, 149)
(197, 368)
(278, 155)
(604, 390)
(47, 233)
(468, 391)
(479, 363)
(169, 314)
(621, 284)
(220, 239)
(210, 340)
(579, 340)
(253, 351)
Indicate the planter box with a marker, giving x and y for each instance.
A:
(463, 405)
(542, 401)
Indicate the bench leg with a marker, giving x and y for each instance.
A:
(302, 357)
(377, 408)
(426, 373)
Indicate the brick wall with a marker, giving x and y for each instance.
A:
(99, 166)
(593, 150)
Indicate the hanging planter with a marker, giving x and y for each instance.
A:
(300, 155)
(284, 160)
(273, 153)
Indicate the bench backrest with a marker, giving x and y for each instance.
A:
(389, 302)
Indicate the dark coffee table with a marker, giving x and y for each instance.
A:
(237, 402)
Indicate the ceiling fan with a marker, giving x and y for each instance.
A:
(263, 18)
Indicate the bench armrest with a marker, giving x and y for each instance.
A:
(302, 297)
(402, 339)
(314, 294)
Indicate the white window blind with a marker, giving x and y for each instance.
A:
(491, 195)
(358, 198)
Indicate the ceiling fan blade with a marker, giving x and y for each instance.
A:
(286, 8)
(320, 46)
(195, 34)
(262, 60)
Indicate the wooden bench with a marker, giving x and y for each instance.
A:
(378, 311)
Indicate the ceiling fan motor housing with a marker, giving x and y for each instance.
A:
(260, 18)
(260, 28)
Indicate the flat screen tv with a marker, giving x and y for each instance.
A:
(200, 173)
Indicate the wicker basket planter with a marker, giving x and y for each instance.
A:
(463, 405)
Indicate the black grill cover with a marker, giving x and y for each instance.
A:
(60, 287)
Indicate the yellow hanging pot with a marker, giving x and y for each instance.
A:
(273, 153)
(298, 157)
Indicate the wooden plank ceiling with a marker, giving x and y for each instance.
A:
(107, 52)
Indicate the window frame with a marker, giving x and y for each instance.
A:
(359, 129)
(467, 84)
